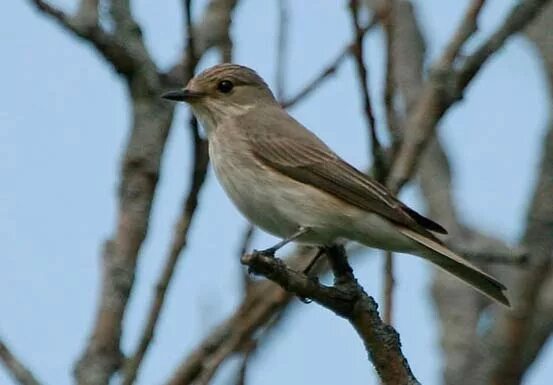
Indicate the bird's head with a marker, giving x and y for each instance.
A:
(223, 91)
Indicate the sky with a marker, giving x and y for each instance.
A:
(64, 119)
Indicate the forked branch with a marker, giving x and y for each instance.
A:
(347, 299)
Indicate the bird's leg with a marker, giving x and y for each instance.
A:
(314, 260)
(271, 250)
(308, 269)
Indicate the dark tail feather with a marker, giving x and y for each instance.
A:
(459, 267)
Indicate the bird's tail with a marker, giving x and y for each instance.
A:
(447, 260)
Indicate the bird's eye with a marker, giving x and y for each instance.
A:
(225, 86)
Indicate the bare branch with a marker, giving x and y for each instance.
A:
(88, 12)
(443, 88)
(348, 300)
(329, 70)
(241, 375)
(487, 250)
(512, 339)
(212, 31)
(362, 77)
(519, 17)
(261, 309)
(180, 238)
(152, 118)
(191, 61)
(458, 306)
(541, 326)
(282, 43)
(261, 303)
(408, 52)
(124, 49)
(467, 27)
(393, 121)
(389, 283)
(15, 367)
(243, 249)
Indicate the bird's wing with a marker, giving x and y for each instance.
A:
(286, 146)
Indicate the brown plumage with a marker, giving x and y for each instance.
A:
(283, 177)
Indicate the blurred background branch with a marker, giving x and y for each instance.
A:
(21, 374)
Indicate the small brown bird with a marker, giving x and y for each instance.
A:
(285, 180)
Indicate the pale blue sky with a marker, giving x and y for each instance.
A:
(63, 123)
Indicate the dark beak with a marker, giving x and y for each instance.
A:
(182, 95)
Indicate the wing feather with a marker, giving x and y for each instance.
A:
(299, 154)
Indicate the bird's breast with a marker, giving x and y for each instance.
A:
(249, 185)
(270, 200)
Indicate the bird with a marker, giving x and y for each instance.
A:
(288, 182)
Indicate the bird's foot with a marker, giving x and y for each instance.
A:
(269, 252)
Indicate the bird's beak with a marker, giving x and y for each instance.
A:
(184, 95)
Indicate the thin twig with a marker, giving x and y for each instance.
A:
(84, 24)
(212, 31)
(179, 242)
(466, 29)
(245, 244)
(519, 16)
(376, 149)
(261, 309)
(242, 372)
(362, 76)
(392, 118)
(392, 121)
(389, 283)
(190, 52)
(329, 70)
(282, 49)
(20, 374)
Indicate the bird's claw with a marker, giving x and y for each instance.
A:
(270, 252)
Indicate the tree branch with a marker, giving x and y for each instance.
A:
(445, 86)
(513, 338)
(348, 300)
(123, 49)
(362, 77)
(260, 309)
(392, 120)
(467, 27)
(15, 367)
(152, 118)
(329, 70)
(282, 45)
(519, 17)
(245, 243)
(212, 31)
(458, 306)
